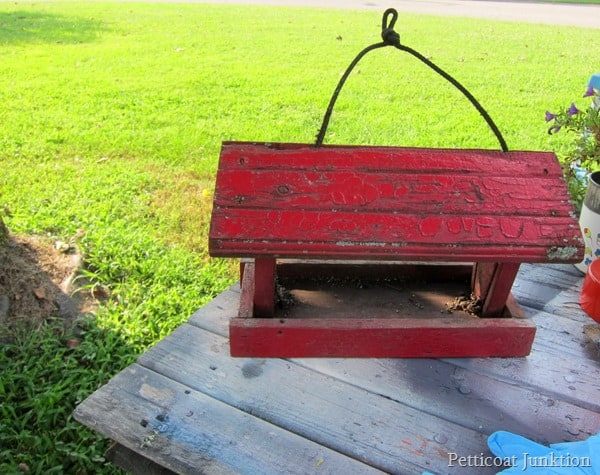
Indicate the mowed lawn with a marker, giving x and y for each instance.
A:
(112, 117)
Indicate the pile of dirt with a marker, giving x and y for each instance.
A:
(36, 282)
(469, 304)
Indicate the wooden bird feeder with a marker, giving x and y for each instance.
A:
(363, 251)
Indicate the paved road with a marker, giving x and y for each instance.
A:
(550, 13)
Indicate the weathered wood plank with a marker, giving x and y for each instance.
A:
(190, 433)
(395, 191)
(264, 287)
(479, 402)
(433, 337)
(552, 288)
(299, 233)
(549, 371)
(246, 298)
(559, 333)
(379, 431)
(496, 289)
(240, 155)
(216, 314)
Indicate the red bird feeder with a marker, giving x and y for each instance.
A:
(362, 251)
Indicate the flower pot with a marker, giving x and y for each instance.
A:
(589, 221)
(589, 298)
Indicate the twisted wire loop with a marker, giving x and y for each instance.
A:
(391, 38)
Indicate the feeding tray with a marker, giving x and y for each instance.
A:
(360, 251)
(345, 309)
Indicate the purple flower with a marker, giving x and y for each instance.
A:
(573, 110)
(590, 92)
(554, 129)
(550, 116)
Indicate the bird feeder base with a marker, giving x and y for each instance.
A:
(375, 310)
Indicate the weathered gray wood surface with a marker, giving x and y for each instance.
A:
(188, 406)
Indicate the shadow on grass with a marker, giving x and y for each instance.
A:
(53, 355)
(33, 27)
(46, 373)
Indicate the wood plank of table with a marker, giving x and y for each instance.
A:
(189, 432)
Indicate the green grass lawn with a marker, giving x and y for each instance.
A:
(112, 117)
